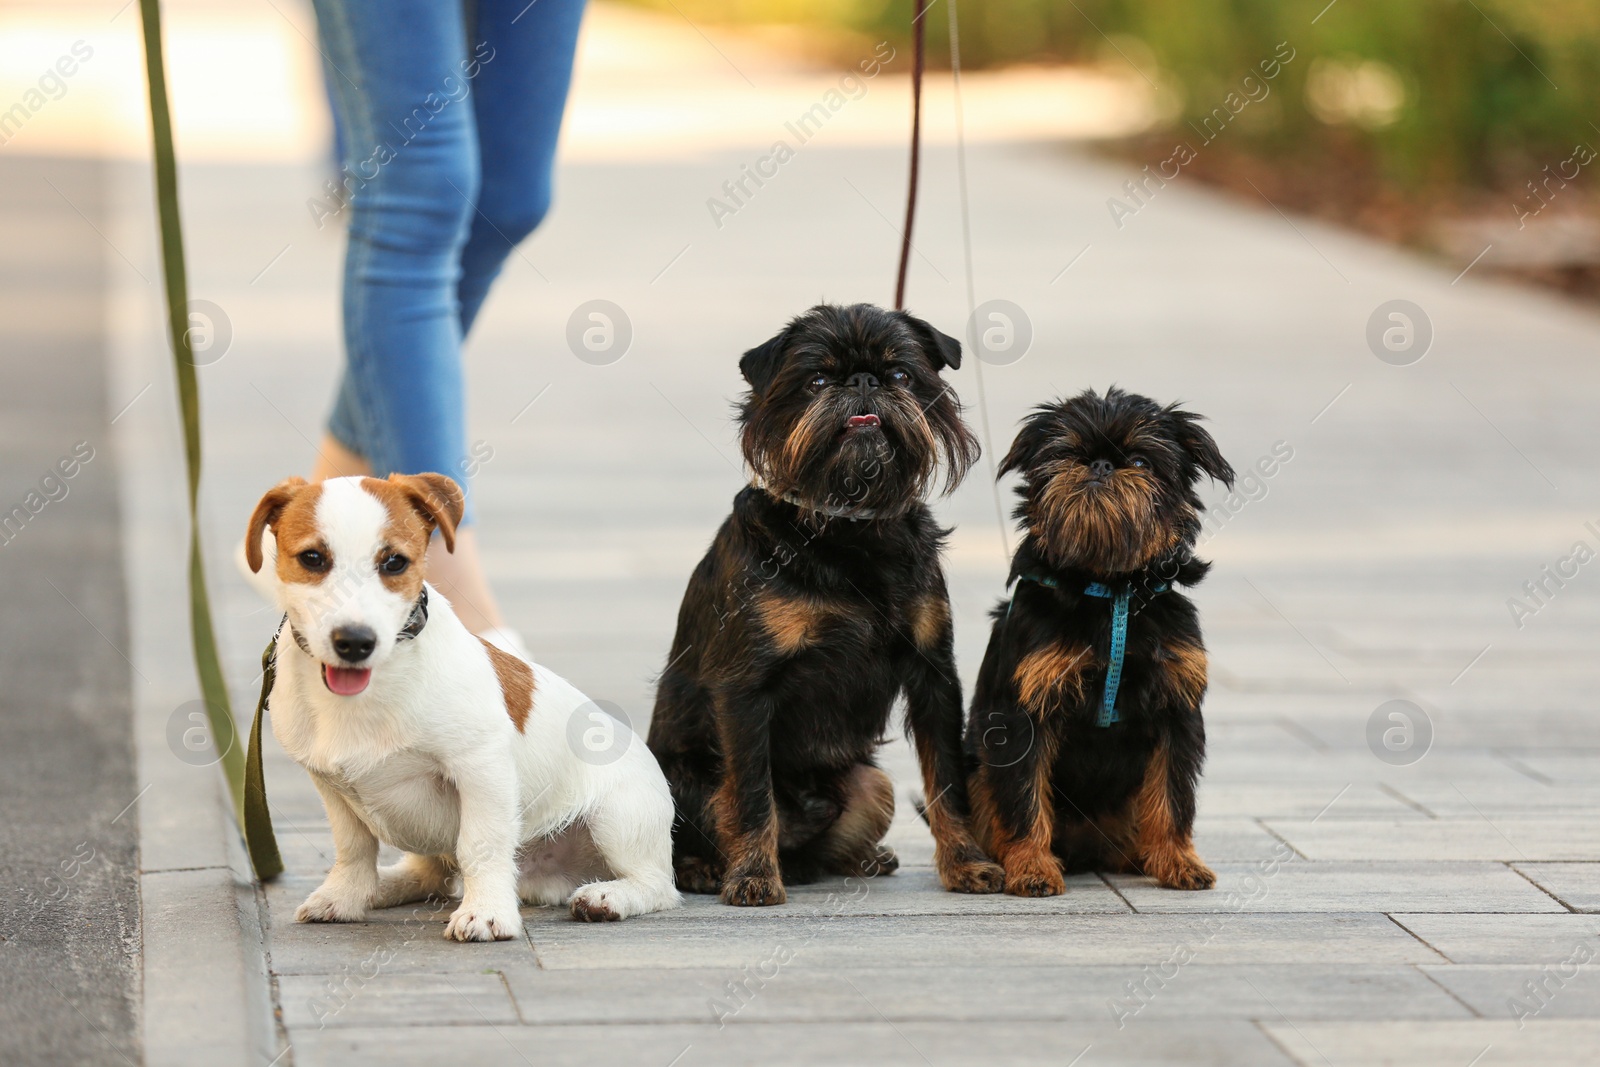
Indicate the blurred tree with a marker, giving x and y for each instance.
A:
(1434, 93)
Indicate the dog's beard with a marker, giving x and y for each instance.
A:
(1108, 528)
(885, 469)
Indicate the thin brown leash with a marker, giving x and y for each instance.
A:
(918, 49)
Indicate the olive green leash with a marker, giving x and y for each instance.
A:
(242, 771)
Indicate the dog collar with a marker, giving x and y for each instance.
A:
(418, 619)
(830, 510)
(1120, 598)
(414, 624)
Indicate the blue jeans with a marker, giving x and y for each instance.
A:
(449, 143)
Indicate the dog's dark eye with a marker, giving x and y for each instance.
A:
(1138, 461)
(819, 381)
(312, 560)
(899, 377)
(395, 564)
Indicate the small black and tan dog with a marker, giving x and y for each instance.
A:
(1085, 738)
(822, 600)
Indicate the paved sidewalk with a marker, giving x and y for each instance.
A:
(1367, 912)
(1375, 905)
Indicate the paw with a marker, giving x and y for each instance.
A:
(400, 884)
(594, 906)
(883, 861)
(471, 922)
(1035, 880)
(695, 875)
(754, 890)
(973, 876)
(327, 905)
(1187, 872)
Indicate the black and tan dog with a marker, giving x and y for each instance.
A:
(1085, 737)
(820, 601)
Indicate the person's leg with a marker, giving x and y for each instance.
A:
(334, 460)
(525, 55)
(518, 97)
(401, 77)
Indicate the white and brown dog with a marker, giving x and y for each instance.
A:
(421, 735)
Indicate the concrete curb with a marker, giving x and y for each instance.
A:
(207, 995)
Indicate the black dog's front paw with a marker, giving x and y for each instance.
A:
(753, 890)
(695, 875)
(973, 876)
(883, 861)
(1035, 877)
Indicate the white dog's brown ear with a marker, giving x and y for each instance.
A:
(265, 515)
(438, 499)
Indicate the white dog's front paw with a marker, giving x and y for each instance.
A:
(597, 902)
(331, 905)
(474, 923)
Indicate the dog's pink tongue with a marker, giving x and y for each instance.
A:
(862, 420)
(346, 681)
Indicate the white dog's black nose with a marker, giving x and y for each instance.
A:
(353, 643)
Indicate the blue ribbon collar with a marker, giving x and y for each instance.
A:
(1121, 598)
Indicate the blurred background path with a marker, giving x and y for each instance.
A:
(1401, 499)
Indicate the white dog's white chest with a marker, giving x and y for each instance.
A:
(405, 801)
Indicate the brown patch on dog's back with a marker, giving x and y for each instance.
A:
(516, 683)
(1048, 671)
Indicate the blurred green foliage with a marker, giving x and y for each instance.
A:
(1440, 93)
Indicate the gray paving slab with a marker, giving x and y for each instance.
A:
(399, 942)
(770, 991)
(1529, 797)
(1476, 838)
(1577, 885)
(1346, 886)
(1348, 760)
(1229, 797)
(1565, 767)
(1564, 988)
(372, 996)
(1488, 1043)
(1226, 840)
(723, 940)
(1210, 1044)
(1531, 939)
